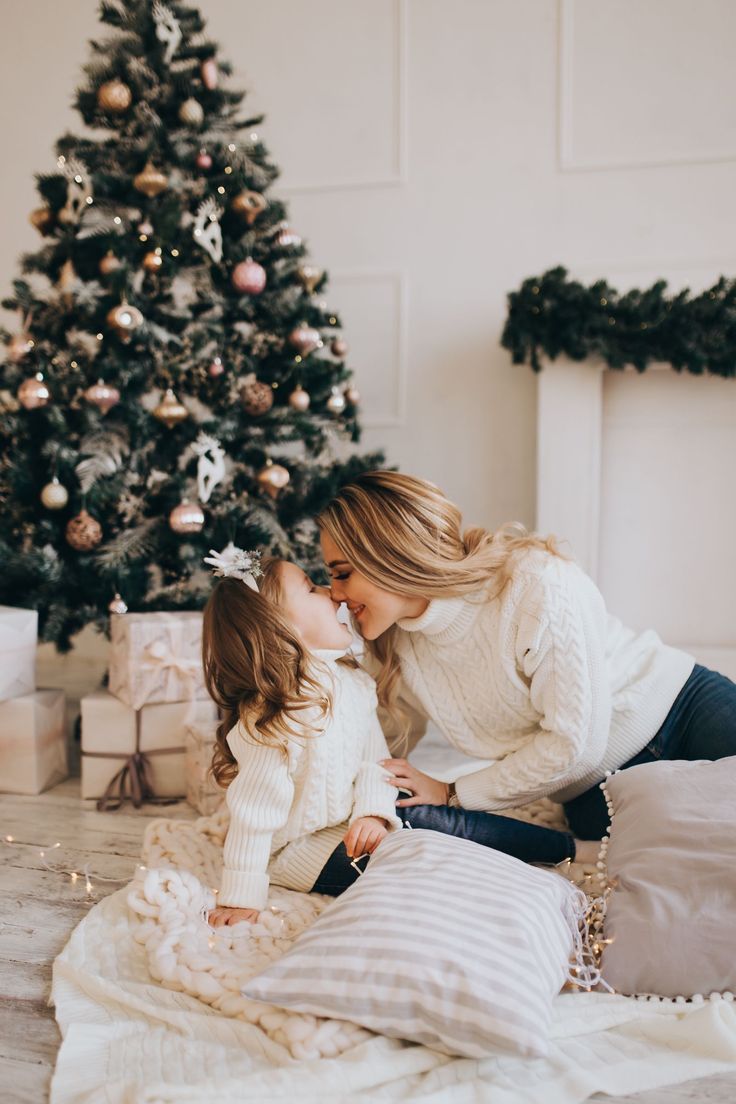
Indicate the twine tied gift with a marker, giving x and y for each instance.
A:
(132, 782)
(159, 656)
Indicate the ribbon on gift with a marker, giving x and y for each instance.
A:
(132, 782)
(166, 660)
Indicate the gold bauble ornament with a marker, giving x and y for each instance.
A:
(257, 397)
(117, 605)
(187, 517)
(309, 276)
(191, 112)
(170, 411)
(33, 392)
(43, 220)
(102, 395)
(54, 495)
(114, 96)
(273, 478)
(109, 263)
(124, 320)
(339, 347)
(299, 399)
(352, 394)
(336, 402)
(248, 205)
(153, 260)
(151, 181)
(18, 347)
(305, 338)
(83, 532)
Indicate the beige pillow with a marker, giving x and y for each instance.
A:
(671, 859)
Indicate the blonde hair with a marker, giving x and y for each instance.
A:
(405, 536)
(256, 669)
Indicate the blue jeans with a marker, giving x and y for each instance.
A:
(700, 725)
(528, 842)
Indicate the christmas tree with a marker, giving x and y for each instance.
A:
(177, 380)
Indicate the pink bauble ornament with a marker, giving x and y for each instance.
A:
(352, 394)
(187, 517)
(216, 367)
(33, 393)
(288, 238)
(305, 338)
(102, 395)
(248, 277)
(340, 348)
(299, 399)
(204, 161)
(256, 396)
(83, 532)
(273, 478)
(210, 74)
(117, 605)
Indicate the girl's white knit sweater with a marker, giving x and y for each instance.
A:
(541, 680)
(288, 812)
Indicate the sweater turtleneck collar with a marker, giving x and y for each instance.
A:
(445, 619)
(331, 655)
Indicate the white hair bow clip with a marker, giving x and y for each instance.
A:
(236, 563)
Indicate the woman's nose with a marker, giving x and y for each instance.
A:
(337, 591)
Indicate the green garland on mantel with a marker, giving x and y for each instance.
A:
(552, 315)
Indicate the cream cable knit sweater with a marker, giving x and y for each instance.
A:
(289, 812)
(541, 680)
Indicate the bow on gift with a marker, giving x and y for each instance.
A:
(132, 782)
(159, 656)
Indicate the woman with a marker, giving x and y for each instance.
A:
(506, 645)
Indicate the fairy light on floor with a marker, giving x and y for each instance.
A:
(73, 875)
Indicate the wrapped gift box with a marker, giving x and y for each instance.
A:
(112, 732)
(33, 751)
(18, 636)
(156, 657)
(202, 791)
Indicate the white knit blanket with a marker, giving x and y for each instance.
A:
(147, 998)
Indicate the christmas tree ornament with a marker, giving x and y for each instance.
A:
(109, 263)
(54, 495)
(191, 112)
(145, 229)
(305, 338)
(150, 181)
(43, 220)
(102, 395)
(248, 205)
(170, 411)
(287, 238)
(336, 402)
(83, 532)
(216, 367)
(207, 231)
(339, 347)
(248, 277)
(78, 191)
(187, 517)
(257, 397)
(273, 478)
(153, 260)
(125, 320)
(18, 347)
(352, 394)
(203, 160)
(68, 282)
(33, 393)
(309, 276)
(210, 74)
(299, 399)
(168, 30)
(117, 605)
(210, 465)
(114, 96)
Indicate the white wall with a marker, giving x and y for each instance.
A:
(434, 155)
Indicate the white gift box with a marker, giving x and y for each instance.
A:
(121, 745)
(18, 636)
(203, 793)
(156, 657)
(33, 750)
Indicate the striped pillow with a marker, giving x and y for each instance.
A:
(441, 942)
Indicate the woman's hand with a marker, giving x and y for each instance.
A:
(364, 835)
(425, 790)
(222, 916)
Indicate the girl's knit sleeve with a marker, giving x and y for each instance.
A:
(259, 800)
(558, 628)
(374, 796)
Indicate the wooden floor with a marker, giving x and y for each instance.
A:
(39, 909)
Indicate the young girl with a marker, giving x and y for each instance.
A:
(299, 745)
